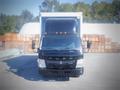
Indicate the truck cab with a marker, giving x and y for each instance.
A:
(60, 49)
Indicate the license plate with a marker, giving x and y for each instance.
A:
(61, 62)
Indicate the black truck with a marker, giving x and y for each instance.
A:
(60, 50)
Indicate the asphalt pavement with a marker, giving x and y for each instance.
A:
(101, 72)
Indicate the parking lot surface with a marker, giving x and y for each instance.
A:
(101, 72)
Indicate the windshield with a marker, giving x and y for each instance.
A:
(61, 43)
(60, 26)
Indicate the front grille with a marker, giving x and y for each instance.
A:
(61, 58)
(61, 64)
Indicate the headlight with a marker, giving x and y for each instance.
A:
(41, 63)
(81, 50)
(79, 64)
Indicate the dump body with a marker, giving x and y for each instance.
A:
(60, 50)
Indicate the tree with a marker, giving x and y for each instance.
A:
(49, 5)
(67, 7)
(7, 24)
(101, 11)
(82, 7)
(26, 15)
(116, 10)
(12, 23)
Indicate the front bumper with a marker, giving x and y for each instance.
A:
(62, 72)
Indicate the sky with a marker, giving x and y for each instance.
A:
(15, 7)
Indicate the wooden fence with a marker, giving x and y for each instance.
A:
(14, 40)
(100, 43)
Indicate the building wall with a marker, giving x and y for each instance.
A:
(109, 30)
(104, 37)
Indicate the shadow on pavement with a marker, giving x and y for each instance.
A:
(26, 67)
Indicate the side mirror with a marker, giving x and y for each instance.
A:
(33, 44)
(38, 50)
(39, 53)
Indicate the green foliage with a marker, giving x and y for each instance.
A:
(116, 10)
(7, 24)
(49, 5)
(82, 7)
(14, 23)
(97, 11)
(26, 16)
(67, 7)
(101, 10)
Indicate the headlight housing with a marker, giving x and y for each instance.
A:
(79, 63)
(81, 50)
(41, 63)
